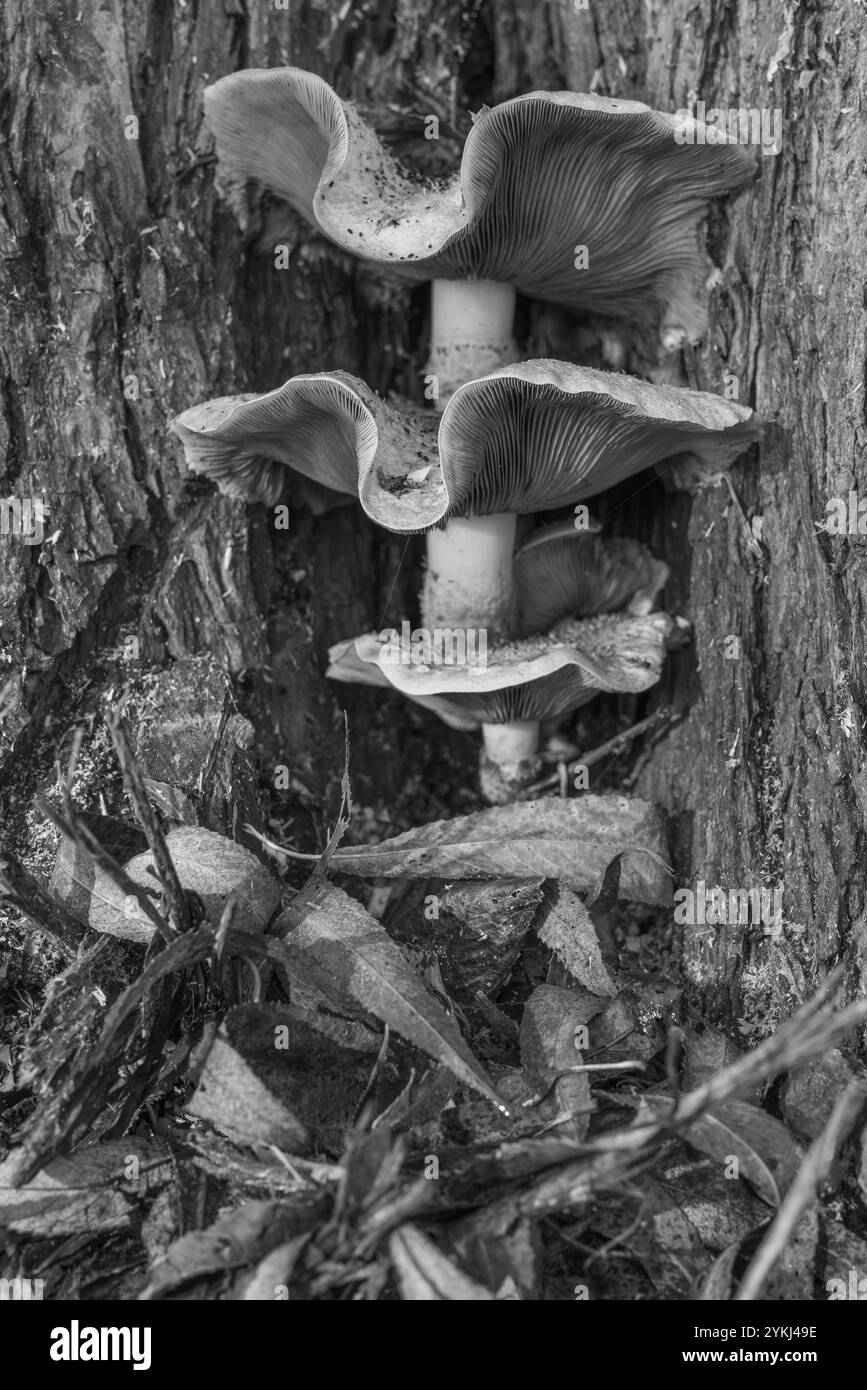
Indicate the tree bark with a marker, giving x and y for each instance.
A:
(128, 292)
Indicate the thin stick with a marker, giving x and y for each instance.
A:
(176, 907)
(73, 827)
(804, 1191)
(21, 889)
(612, 745)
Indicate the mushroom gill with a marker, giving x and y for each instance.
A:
(586, 201)
(610, 641)
(525, 439)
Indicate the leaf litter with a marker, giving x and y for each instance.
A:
(475, 1094)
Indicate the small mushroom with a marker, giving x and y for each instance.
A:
(561, 572)
(610, 641)
(586, 201)
(525, 439)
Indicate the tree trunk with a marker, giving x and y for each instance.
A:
(129, 292)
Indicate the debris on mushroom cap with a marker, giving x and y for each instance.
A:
(541, 175)
(539, 435)
(345, 664)
(563, 572)
(537, 677)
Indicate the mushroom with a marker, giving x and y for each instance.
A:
(527, 438)
(585, 201)
(602, 637)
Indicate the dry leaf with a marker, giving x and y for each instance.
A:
(242, 1237)
(425, 1273)
(93, 1190)
(479, 951)
(211, 865)
(270, 1279)
(767, 1156)
(272, 1078)
(342, 948)
(550, 1046)
(571, 840)
(566, 927)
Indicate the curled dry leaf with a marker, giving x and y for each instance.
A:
(566, 927)
(424, 1273)
(551, 1028)
(270, 1279)
(767, 1156)
(478, 951)
(244, 1236)
(344, 951)
(209, 864)
(572, 841)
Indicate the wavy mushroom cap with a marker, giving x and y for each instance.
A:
(562, 573)
(527, 438)
(537, 677)
(540, 176)
(329, 427)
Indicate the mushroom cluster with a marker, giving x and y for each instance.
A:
(565, 616)
(586, 201)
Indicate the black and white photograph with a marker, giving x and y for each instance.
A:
(433, 693)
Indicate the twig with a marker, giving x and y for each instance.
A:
(750, 540)
(176, 906)
(803, 1193)
(21, 889)
(612, 745)
(73, 828)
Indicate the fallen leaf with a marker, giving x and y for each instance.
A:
(424, 1273)
(550, 1046)
(767, 1156)
(92, 1190)
(810, 1092)
(270, 1279)
(478, 950)
(707, 1053)
(272, 1078)
(244, 1236)
(566, 927)
(570, 840)
(337, 944)
(502, 1249)
(210, 864)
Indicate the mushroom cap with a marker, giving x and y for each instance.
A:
(537, 677)
(331, 428)
(526, 438)
(346, 665)
(540, 176)
(561, 572)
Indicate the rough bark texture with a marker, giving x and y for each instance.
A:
(128, 292)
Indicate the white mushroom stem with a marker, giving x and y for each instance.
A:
(471, 332)
(509, 759)
(510, 743)
(469, 579)
(469, 562)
